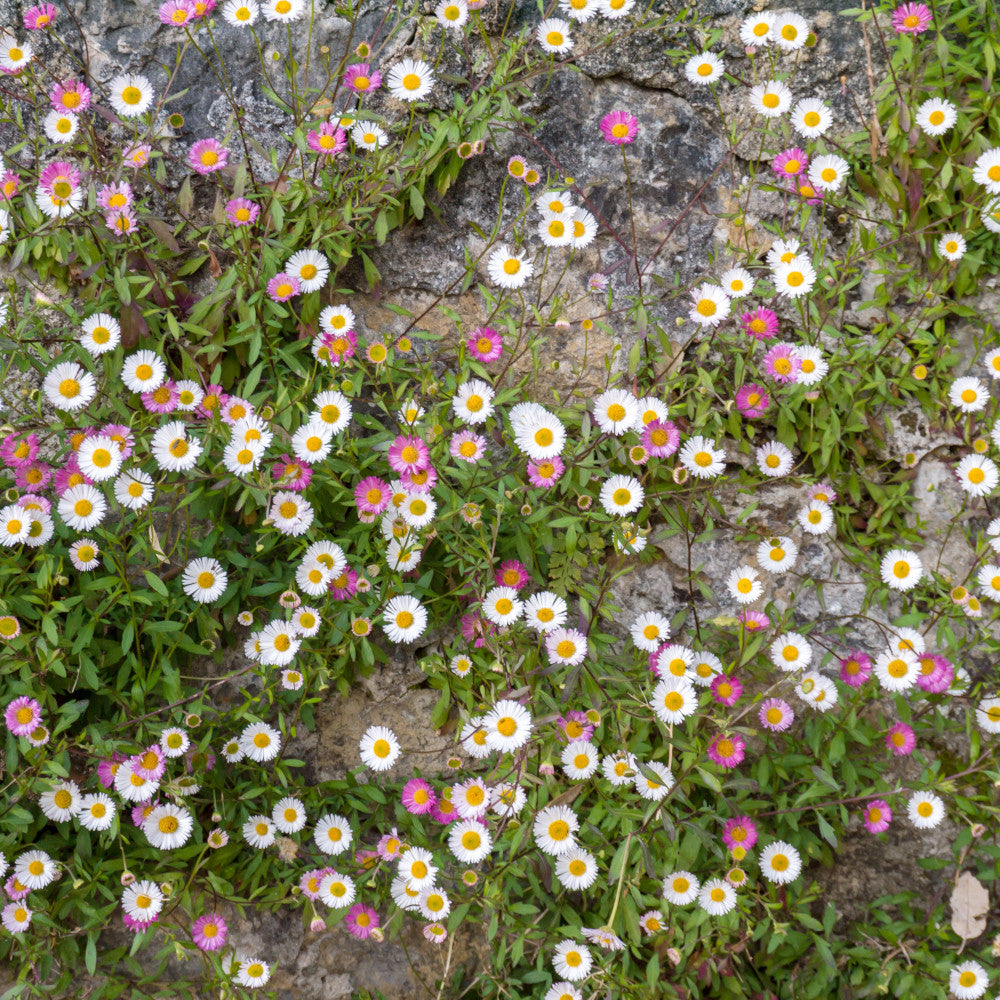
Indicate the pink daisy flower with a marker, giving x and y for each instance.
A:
(752, 400)
(203, 7)
(418, 797)
(150, 764)
(212, 401)
(782, 363)
(137, 156)
(22, 715)
(598, 283)
(422, 481)
(753, 621)
(120, 220)
(408, 453)
(740, 831)
(390, 845)
(476, 629)
(41, 16)
(310, 880)
(107, 767)
(162, 399)
(820, 491)
(242, 212)
(19, 450)
(512, 574)
(727, 751)
(776, 714)
(142, 810)
(619, 128)
(546, 472)
(660, 438)
(912, 18)
(34, 500)
(60, 173)
(360, 921)
(361, 78)
(373, 495)
(9, 184)
(726, 690)
(34, 476)
(209, 932)
(900, 739)
(806, 191)
(485, 344)
(235, 408)
(207, 156)
(574, 725)
(70, 95)
(444, 812)
(115, 196)
(291, 474)
(327, 140)
(138, 926)
(467, 446)
(344, 586)
(435, 933)
(790, 162)
(339, 347)
(760, 323)
(16, 891)
(282, 287)
(855, 668)
(69, 476)
(878, 816)
(936, 674)
(177, 13)
(517, 167)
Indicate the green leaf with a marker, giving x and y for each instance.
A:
(156, 583)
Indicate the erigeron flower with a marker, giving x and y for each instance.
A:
(97, 812)
(84, 554)
(616, 411)
(649, 630)
(619, 128)
(926, 810)
(952, 246)
(680, 888)
(790, 31)
(790, 652)
(816, 518)
(60, 126)
(379, 748)
(509, 269)
(61, 802)
(260, 742)
(168, 826)
(744, 585)
(131, 95)
(737, 283)
(811, 118)
(709, 305)
(204, 580)
(977, 475)
(901, 569)
(566, 646)
(827, 173)
(580, 11)
(758, 29)
(717, 897)
(674, 699)
(69, 387)
(653, 789)
(571, 961)
(452, 13)
(794, 278)
(780, 863)
(553, 829)
(368, 135)
(553, 35)
(545, 611)
(968, 980)
(986, 170)
(580, 759)
(82, 507)
(704, 69)
(936, 116)
(410, 80)
(774, 459)
(258, 832)
(622, 495)
(988, 715)
(968, 394)
(912, 18)
(142, 900)
(404, 619)
(701, 457)
(897, 671)
(775, 555)
(473, 402)
(576, 869)
(240, 13)
(332, 834)
(770, 99)
(283, 10)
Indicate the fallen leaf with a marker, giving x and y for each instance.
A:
(970, 903)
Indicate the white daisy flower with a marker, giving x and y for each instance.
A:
(310, 267)
(473, 402)
(582, 228)
(616, 411)
(936, 116)
(649, 631)
(717, 897)
(61, 802)
(816, 518)
(901, 569)
(509, 269)
(969, 394)
(133, 787)
(897, 671)
(14, 54)
(622, 495)
(737, 283)
(252, 972)
(680, 888)
(99, 334)
(794, 278)
(60, 126)
(404, 619)
(417, 866)
(701, 457)
(67, 386)
(99, 458)
(507, 800)
(580, 760)
(704, 69)
(774, 459)
(653, 789)
(988, 715)
(82, 507)
(619, 768)
(968, 980)
(368, 135)
(332, 834)
(570, 960)
(613, 10)
(977, 475)
(744, 585)
(811, 118)
(410, 80)
(576, 869)
(704, 668)
(260, 742)
(507, 725)
(204, 580)
(83, 554)
(469, 841)
(952, 246)
(757, 29)
(709, 305)
(538, 433)
(580, 11)
(15, 524)
(378, 748)
(780, 863)
(925, 810)
(97, 812)
(790, 652)
(545, 611)
(452, 13)
(174, 742)
(168, 826)
(814, 366)
(283, 10)
(142, 900)
(554, 828)
(258, 831)
(770, 99)
(131, 95)
(313, 441)
(674, 699)
(990, 216)
(172, 449)
(566, 646)
(775, 555)
(240, 13)
(675, 661)
(790, 31)
(553, 35)
(987, 170)
(827, 173)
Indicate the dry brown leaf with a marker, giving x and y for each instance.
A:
(970, 903)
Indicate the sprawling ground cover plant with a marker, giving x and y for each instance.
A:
(209, 452)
